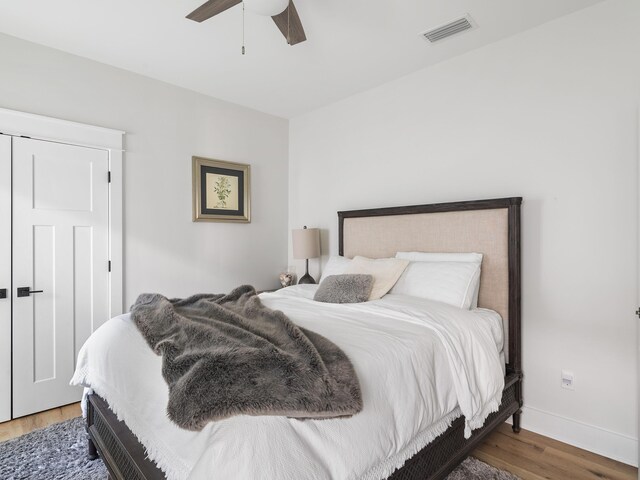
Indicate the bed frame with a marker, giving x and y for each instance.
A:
(125, 457)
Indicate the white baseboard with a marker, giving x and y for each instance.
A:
(582, 435)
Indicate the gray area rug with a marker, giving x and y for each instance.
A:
(474, 469)
(59, 452)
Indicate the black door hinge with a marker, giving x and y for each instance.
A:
(109, 176)
(109, 265)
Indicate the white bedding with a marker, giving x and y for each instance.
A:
(420, 364)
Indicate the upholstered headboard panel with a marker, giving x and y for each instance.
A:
(490, 227)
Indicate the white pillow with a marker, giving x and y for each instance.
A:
(447, 257)
(448, 282)
(385, 271)
(335, 266)
(440, 257)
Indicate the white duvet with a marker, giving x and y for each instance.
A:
(421, 364)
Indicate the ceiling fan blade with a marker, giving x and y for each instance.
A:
(290, 25)
(211, 8)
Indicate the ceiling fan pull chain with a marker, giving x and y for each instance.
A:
(243, 28)
(289, 23)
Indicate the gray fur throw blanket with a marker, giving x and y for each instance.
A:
(225, 355)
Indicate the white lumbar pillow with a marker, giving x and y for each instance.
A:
(456, 271)
(336, 265)
(385, 272)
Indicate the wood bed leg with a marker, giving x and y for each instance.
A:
(92, 450)
(516, 421)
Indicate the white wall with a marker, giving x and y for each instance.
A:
(164, 250)
(551, 115)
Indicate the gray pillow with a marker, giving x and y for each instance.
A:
(348, 288)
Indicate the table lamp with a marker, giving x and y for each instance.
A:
(306, 245)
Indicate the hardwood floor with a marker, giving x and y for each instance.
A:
(20, 426)
(527, 455)
(535, 457)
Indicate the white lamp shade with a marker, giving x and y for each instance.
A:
(306, 243)
(268, 8)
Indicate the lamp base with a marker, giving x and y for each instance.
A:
(306, 278)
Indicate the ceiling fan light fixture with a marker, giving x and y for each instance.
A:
(268, 8)
(286, 17)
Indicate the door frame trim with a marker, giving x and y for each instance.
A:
(38, 127)
(6, 305)
(41, 127)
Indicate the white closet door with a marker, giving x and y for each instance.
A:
(60, 250)
(5, 278)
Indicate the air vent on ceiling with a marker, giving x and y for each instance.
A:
(449, 29)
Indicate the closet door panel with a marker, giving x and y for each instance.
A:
(5, 278)
(61, 252)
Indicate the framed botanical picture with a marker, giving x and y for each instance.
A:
(221, 191)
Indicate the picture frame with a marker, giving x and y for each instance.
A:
(221, 191)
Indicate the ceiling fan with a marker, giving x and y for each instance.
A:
(283, 13)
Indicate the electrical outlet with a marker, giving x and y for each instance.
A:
(567, 380)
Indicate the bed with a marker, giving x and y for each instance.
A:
(491, 227)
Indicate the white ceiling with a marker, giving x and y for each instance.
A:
(352, 45)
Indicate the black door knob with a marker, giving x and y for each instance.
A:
(26, 291)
